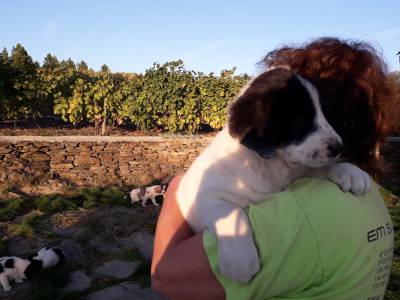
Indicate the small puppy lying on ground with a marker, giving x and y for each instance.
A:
(276, 134)
(13, 268)
(146, 193)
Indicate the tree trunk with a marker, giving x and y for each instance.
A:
(103, 125)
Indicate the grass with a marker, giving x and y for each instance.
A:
(80, 198)
(26, 226)
(131, 255)
(9, 209)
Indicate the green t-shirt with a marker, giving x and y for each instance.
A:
(316, 242)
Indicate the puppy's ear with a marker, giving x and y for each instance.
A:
(61, 255)
(33, 268)
(250, 113)
(164, 187)
(9, 263)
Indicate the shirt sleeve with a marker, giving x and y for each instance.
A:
(288, 250)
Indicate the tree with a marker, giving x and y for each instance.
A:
(4, 58)
(82, 66)
(228, 73)
(23, 93)
(50, 62)
(68, 64)
(105, 69)
(21, 60)
(4, 80)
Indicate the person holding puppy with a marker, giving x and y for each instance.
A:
(314, 241)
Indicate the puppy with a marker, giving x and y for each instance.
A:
(276, 134)
(12, 268)
(146, 193)
(19, 269)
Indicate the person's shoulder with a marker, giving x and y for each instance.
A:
(308, 190)
(304, 189)
(317, 197)
(313, 186)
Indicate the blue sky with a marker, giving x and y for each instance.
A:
(208, 35)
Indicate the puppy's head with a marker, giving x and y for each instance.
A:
(50, 256)
(279, 113)
(164, 187)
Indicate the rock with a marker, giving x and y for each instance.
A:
(40, 157)
(13, 195)
(118, 269)
(21, 246)
(86, 160)
(125, 291)
(104, 246)
(140, 240)
(79, 282)
(73, 232)
(62, 166)
(19, 291)
(73, 251)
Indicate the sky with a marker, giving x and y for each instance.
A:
(129, 35)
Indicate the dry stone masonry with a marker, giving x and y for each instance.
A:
(99, 161)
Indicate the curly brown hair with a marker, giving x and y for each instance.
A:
(355, 92)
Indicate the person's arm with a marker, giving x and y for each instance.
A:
(180, 267)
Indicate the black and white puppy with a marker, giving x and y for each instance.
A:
(13, 268)
(276, 134)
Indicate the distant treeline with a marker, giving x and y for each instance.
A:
(166, 97)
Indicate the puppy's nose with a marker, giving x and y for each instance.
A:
(335, 149)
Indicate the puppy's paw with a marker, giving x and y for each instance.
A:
(350, 178)
(7, 288)
(238, 261)
(19, 280)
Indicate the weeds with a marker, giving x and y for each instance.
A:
(131, 255)
(85, 198)
(26, 227)
(10, 209)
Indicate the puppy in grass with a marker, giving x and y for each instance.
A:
(13, 268)
(276, 133)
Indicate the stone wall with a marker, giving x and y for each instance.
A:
(101, 161)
